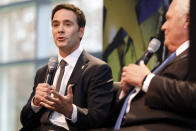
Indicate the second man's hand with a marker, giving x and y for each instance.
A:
(60, 103)
(134, 75)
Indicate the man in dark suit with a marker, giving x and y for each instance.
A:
(164, 99)
(89, 78)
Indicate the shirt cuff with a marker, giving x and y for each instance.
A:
(122, 95)
(74, 114)
(147, 82)
(34, 107)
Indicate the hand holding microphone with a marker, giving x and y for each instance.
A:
(134, 74)
(43, 89)
(43, 97)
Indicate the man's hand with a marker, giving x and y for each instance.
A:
(42, 92)
(125, 87)
(60, 103)
(135, 74)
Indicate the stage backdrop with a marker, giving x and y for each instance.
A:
(128, 27)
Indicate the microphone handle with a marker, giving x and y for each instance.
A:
(146, 57)
(50, 76)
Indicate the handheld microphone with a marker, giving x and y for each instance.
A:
(153, 46)
(52, 64)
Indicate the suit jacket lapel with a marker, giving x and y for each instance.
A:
(80, 66)
(180, 57)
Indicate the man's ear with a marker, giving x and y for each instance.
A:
(81, 32)
(187, 20)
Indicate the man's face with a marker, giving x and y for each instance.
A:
(66, 31)
(174, 28)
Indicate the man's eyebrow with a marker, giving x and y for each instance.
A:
(69, 21)
(54, 21)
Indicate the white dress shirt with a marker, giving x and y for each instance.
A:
(55, 117)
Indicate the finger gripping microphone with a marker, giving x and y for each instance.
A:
(52, 65)
(153, 46)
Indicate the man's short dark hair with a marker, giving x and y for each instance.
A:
(81, 20)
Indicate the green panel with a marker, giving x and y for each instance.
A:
(122, 14)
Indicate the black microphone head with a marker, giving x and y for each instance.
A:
(154, 45)
(52, 63)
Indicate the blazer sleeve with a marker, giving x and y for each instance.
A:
(99, 99)
(28, 118)
(173, 90)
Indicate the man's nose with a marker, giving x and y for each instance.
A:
(61, 29)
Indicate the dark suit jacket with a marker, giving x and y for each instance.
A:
(169, 104)
(92, 94)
